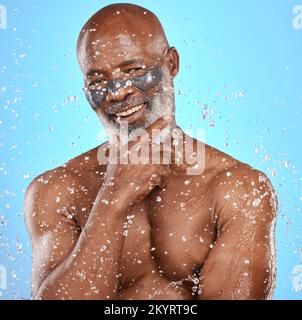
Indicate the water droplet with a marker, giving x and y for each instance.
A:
(262, 178)
(267, 157)
(69, 99)
(212, 123)
(128, 83)
(256, 202)
(71, 190)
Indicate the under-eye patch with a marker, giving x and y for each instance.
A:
(145, 82)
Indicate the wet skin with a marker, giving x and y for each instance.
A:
(208, 236)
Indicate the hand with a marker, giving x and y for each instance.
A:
(136, 181)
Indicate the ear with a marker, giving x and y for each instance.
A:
(173, 61)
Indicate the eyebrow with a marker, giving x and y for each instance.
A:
(129, 62)
(123, 64)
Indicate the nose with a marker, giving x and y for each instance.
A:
(120, 94)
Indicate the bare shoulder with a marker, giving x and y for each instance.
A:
(75, 170)
(237, 185)
(47, 197)
(51, 193)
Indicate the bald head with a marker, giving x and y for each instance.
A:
(122, 28)
(127, 65)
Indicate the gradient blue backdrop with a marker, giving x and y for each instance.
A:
(243, 59)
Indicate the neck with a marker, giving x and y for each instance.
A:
(185, 150)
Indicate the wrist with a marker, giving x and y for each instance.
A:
(115, 195)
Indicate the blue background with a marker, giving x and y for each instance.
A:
(242, 60)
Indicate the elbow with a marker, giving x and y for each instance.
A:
(43, 293)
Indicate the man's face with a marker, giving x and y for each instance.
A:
(125, 81)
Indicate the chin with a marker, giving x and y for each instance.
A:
(160, 106)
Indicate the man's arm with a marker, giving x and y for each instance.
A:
(241, 264)
(53, 234)
(68, 264)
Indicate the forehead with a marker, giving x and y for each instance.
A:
(105, 51)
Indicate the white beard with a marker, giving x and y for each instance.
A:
(162, 104)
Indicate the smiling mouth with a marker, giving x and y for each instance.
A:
(131, 111)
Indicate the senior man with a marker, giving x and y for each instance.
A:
(114, 230)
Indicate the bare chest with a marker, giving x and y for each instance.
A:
(167, 236)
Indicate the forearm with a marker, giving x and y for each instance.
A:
(89, 272)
